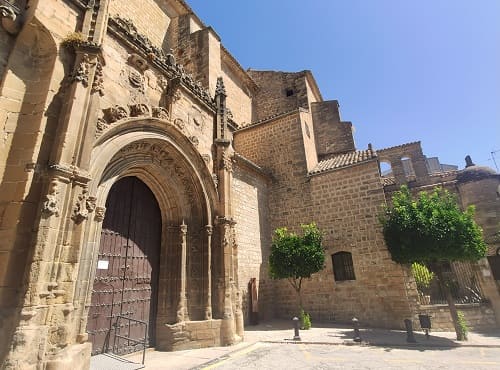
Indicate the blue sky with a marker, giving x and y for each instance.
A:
(402, 70)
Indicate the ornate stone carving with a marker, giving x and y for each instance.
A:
(101, 125)
(136, 79)
(81, 71)
(226, 162)
(160, 112)
(124, 28)
(179, 122)
(98, 84)
(215, 178)
(167, 161)
(115, 113)
(9, 17)
(176, 96)
(7, 11)
(99, 214)
(163, 83)
(206, 158)
(138, 62)
(50, 206)
(170, 59)
(219, 87)
(194, 140)
(139, 110)
(83, 207)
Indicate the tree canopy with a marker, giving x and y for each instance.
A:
(431, 229)
(294, 256)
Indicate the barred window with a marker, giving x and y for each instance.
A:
(343, 269)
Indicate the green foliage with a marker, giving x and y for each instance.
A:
(294, 256)
(73, 39)
(464, 329)
(431, 229)
(305, 320)
(423, 276)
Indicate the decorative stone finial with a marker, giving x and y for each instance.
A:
(219, 88)
(468, 161)
(170, 58)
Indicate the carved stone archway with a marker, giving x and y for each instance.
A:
(168, 163)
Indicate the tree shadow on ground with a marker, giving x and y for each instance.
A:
(396, 339)
(344, 334)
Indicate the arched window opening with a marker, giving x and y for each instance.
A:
(386, 169)
(343, 268)
(408, 168)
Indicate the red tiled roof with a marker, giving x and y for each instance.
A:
(344, 160)
(388, 181)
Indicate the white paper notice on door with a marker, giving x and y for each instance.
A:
(102, 265)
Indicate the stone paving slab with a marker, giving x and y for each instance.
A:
(106, 361)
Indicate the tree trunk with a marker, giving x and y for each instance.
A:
(299, 297)
(438, 269)
(297, 285)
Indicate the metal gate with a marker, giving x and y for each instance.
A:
(126, 279)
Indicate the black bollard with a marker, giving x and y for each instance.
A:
(296, 324)
(355, 324)
(409, 332)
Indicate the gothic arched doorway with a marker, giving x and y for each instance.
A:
(126, 281)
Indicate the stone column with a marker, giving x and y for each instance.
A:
(208, 303)
(238, 313)
(228, 324)
(181, 308)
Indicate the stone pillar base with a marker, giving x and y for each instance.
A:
(191, 335)
(74, 357)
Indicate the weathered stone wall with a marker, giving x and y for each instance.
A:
(413, 151)
(272, 98)
(333, 136)
(345, 203)
(238, 95)
(306, 123)
(29, 107)
(194, 120)
(202, 54)
(250, 204)
(484, 196)
(346, 206)
(149, 16)
(6, 44)
(478, 316)
(190, 335)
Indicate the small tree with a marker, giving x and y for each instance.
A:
(294, 257)
(432, 230)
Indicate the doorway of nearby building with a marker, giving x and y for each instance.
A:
(124, 294)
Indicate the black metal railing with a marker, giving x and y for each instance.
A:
(118, 327)
(462, 280)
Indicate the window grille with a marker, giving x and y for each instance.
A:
(343, 268)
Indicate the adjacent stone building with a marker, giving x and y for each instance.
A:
(143, 170)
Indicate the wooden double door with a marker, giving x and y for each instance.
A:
(125, 288)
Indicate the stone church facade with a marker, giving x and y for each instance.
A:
(143, 171)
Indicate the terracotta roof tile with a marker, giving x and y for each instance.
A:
(344, 160)
(388, 181)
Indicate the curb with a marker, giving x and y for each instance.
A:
(225, 356)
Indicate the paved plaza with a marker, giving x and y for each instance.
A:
(330, 346)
